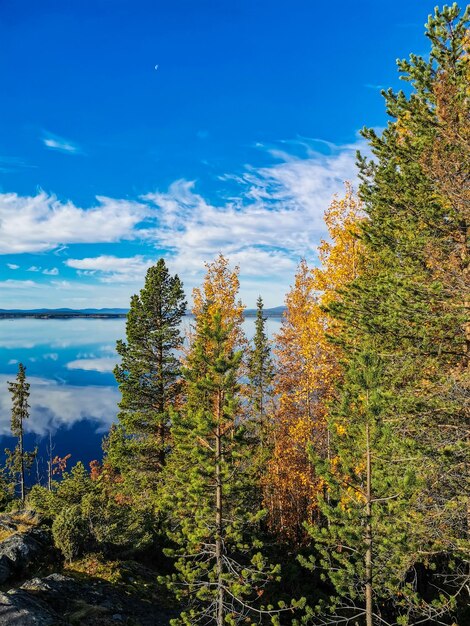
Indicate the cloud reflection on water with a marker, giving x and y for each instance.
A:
(55, 405)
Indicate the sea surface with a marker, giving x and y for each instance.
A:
(74, 397)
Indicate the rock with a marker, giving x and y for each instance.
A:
(21, 552)
(6, 569)
(78, 601)
(18, 608)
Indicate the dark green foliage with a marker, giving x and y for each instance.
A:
(110, 524)
(409, 308)
(367, 498)
(149, 376)
(260, 376)
(70, 532)
(19, 461)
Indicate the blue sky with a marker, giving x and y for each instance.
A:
(182, 128)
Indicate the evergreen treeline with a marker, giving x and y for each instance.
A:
(321, 477)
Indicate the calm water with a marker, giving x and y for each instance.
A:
(73, 392)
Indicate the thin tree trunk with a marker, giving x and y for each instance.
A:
(368, 541)
(49, 465)
(218, 515)
(20, 445)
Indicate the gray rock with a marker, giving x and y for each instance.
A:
(6, 569)
(21, 552)
(18, 608)
(69, 600)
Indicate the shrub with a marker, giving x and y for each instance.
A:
(70, 531)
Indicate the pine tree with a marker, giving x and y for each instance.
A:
(149, 375)
(409, 306)
(260, 377)
(18, 460)
(363, 533)
(209, 484)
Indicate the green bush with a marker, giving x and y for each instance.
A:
(44, 501)
(65, 493)
(70, 531)
(116, 524)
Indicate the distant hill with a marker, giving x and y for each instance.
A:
(276, 311)
(65, 312)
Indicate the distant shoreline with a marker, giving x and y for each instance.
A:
(47, 315)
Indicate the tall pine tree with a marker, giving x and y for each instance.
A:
(409, 307)
(18, 460)
(211, 493)
(149, 376)
(260, 377)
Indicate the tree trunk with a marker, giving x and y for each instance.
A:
(49, 465)
(161, 385)
(368, 538)
(21, 451)
(218, 515)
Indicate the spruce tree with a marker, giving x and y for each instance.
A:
(149, 375)
(18, 460)
(260, 376)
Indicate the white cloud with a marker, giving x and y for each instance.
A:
(12, 266)
(273, 218)
(51, 272)
(12, 163)
(18, 284)
(42, 222)
(54, 142)
(276, 218)
(112, 268)
(33, 268)
(102, 365)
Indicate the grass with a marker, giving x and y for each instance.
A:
(5, 533)
(93, 565)
(23, 520)
(84, 611)
(132, 577)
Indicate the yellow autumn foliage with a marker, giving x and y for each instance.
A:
(308, 369)
(219, 293)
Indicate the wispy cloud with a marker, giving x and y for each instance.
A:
(102, 365)
(42, 222)
(111, 268)
(12, 163)
(272, 218)
(54, 142)
(13, 266)
(53, 271)
(18, 284)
